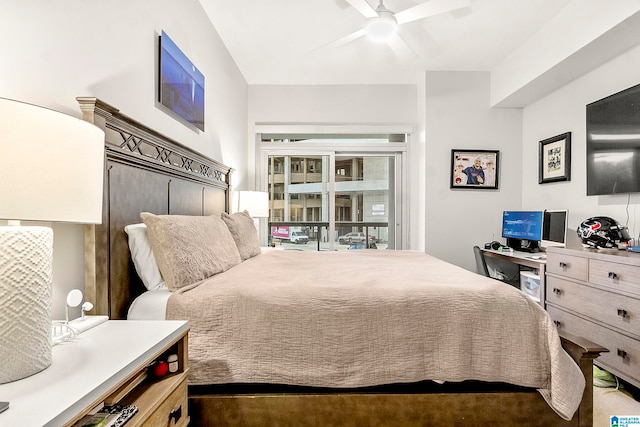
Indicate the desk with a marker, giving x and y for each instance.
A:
(537, 260)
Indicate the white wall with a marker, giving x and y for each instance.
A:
(458, 116)
(564, 111)
(333, 104)
(53, 52)
(584, 34)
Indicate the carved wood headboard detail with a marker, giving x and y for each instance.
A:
(144, 172)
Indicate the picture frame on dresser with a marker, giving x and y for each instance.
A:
(554, 163)
(474, 169)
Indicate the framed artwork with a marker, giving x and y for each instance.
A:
(475, 169)
(555, 159)
(181, 84)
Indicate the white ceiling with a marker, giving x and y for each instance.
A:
(294, 41)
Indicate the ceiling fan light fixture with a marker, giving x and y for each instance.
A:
(382, 27)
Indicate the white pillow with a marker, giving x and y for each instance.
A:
(143, 259)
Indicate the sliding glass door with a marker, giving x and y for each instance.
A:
(331, 199)
(298, 199)
(364, 202)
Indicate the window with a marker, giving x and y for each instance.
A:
(332, 186)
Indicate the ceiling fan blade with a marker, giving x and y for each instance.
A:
(343, 40)
(401, 47)
(363, 7)
(430, 8)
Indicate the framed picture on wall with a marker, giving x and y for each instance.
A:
(474, 169)
(555, 159)
(180, 84)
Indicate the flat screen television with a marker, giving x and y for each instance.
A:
(522, 229)
(554, 228)
(613, 144)
(181, 84)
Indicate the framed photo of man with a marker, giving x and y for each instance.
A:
(474, 169)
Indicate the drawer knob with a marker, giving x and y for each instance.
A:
(562, 264)
(175, 415)
(557, 291)
(557, 323)
(613, 276)
(622, 353)
(623, 313)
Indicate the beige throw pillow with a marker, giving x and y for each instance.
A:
(190, 248)
(244, 233)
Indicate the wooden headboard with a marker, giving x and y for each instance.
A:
(144, 172)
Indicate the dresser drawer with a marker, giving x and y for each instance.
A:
(571, 266)
(176, 402)
(619, 277)
(624, 352)
(613, 309)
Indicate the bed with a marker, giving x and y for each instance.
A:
(365, 352)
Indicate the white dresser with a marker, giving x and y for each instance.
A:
(596, 294)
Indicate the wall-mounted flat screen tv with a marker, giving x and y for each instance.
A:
(181, 84)
(613, 144)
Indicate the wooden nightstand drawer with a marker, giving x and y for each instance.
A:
(173, 411)
(607, 307)
(567, 265)
(618, 277)
(624, 352)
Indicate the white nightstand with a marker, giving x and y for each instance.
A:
(106, 363)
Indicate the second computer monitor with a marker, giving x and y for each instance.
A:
(554, 230)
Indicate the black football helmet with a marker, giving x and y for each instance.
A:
(602, 232)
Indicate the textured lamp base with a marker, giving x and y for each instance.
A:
(26, 256)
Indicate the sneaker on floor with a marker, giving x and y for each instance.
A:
(602, 378)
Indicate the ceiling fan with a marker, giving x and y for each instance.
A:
(382, 23)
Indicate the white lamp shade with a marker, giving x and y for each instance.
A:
(52, 165)
(254, 202)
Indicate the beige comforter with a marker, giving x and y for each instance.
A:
(361, 318)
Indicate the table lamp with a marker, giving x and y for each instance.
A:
(52, 170)
(254, 202)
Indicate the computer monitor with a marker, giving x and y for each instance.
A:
(554, 229)
(522, 229)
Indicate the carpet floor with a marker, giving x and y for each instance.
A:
(608, 402)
